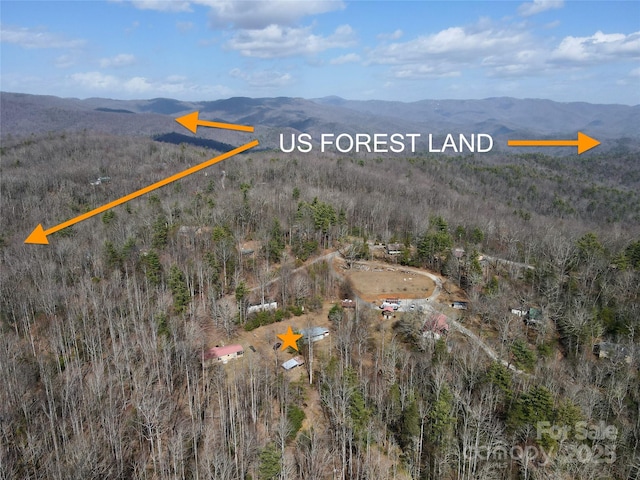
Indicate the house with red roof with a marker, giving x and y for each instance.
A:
(224, 354)
(435, 326)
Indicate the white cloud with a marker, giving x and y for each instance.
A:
(424, 71)
(348, 58)
(162, 5)
(450, 51)
(538, 6)
(263, 78)
(246, 14)
(504, 49)
(175, 85)
(453, 45)
(599, 47)
(390, 36)
(523, 62)
(120, 60)
(275, 41)
(540, 59)
(65, 61)
(95, 81)
(552, 25)
(256, 15)
(143, 85)
(176, 79)
(632, 79)
(264, 29)
(36, 38)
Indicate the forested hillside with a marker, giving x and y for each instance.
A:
(503, 118)
(103, 331)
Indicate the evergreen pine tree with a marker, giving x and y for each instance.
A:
(153, 268)
(178, 286)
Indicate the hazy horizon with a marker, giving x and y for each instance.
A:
(311, 98)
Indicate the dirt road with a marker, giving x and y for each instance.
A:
(428, 304)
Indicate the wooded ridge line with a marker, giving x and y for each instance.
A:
(501, 118)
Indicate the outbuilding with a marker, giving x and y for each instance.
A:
(293, 363)
(459, 305)
(314, 334)
(394, 248)
(348, 303)
(612, 351)
(263, 307)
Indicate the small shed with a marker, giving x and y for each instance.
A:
(459, 305)
(612, 351)
(293, 363)
(533, 317)
(224, 354)
(387, 312)
(101, 180)
(348, 303)
(314, 334)
(394, 248)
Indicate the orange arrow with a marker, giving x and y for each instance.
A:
(39, 234)
(191, 122)
(584, 143)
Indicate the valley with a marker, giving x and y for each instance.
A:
(514, 275)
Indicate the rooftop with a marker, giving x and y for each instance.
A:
(314, 331)
(217, 352)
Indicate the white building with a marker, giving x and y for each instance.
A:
(293, 363)
(263, 307)
(314, 334)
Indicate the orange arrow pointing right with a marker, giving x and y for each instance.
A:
(584, 143)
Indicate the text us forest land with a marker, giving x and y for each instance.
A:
(386, 143)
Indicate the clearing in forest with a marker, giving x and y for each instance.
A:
(377, 281)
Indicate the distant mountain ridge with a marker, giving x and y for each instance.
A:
(537, 115)
(501, 117)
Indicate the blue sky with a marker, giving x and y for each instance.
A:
(391, 50)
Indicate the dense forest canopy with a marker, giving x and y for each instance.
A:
(103, 330)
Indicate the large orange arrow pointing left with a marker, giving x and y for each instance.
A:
(39, 235)
(191, 122)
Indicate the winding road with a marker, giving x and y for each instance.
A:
(453, 323)
(405, 304)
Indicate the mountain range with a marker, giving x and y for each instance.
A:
(616, 126)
